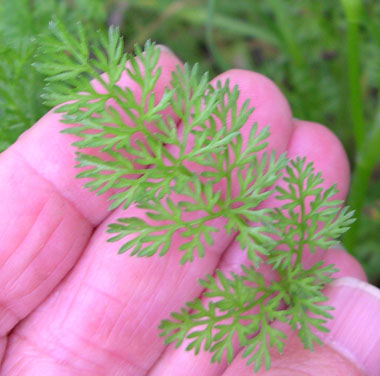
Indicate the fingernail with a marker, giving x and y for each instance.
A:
(355, 329)
(164, 48)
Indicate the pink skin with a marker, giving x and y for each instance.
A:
(46, 217)
(102, 318)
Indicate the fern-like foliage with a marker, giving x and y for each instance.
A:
(185, 177)
(211, 121)
(309, 217)
(246, 304)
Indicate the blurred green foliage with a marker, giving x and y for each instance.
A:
(300, 44)
(22, 23)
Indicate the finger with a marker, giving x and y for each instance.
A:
(3, 344)
(46, 217)
(308, 139)
(118, 301)
(51, 155)
(313, 140)
(326, 151)
(351, 347)
(347, 265)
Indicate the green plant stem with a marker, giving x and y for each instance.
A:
(287, 34)
(367, 158)
(367, 147)
(355, 95)
(296, 62)
(302, 222)
(221, 63)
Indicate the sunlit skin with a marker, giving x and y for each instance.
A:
(69, 305)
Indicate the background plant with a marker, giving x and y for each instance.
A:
(298, 45)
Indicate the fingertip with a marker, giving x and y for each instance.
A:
(270, 106)
(321, 146)
(167, 56)
(346, 264)
(164, 49)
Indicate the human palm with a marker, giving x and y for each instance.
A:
(70, 305)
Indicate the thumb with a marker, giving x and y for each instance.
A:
(351, 348)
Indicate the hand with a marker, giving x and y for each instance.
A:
(71, 306)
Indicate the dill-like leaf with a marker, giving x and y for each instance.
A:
(309, 217)
(183, 177)
(211, 121)
(247, 304)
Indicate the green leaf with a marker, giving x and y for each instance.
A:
(181, 179)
